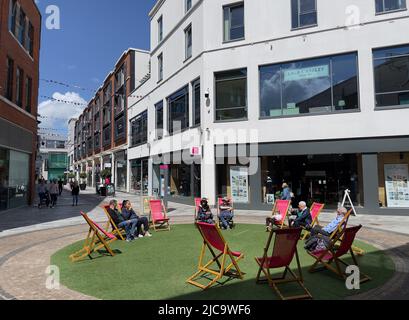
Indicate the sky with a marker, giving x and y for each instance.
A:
(93, 35)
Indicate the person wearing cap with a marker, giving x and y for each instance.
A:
(226, 213)
(205, 214)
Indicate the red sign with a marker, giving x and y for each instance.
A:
(164, 167)
(195, 151)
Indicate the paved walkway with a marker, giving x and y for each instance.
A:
(29, 236)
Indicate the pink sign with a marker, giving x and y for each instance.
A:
(164, 167)
(195, 151)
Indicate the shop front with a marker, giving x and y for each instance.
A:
(121, 167)
(140, 176)
(14, 179)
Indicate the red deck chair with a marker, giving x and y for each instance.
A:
(158, 215)
(335, 252)
(315, 211)
(197, 205)
(97, 239)
(281, 207)
(219, 203)
(214, 241)
(285, 247)
(112, 225)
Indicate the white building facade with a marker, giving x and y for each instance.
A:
(252, 94)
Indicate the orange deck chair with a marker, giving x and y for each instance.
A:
(335, 252)
(285, 247)
(281, 207)
(112, 225)
(219, 203)
(315, 211)
(97, 239)
(214, 241)
(158, 216)
(197, 205)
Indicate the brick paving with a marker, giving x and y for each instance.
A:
(25, 249)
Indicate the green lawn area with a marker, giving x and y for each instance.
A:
(157, 268)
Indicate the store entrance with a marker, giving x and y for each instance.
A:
(313, 178)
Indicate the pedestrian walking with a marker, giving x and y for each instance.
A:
(75, 193)
(60, 186)
(54, 193)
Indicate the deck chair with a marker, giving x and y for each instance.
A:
(97, 238)
(281, 207)
(158, 216)
(197, 205)
(315, 211)
(285, 247)
(335, 252)
(213, 240)
(115, 230)
(219, 203)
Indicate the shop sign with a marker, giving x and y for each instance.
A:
(239, 182)
(164, 167)
(306, 73)
(396, 185)
(107, 165)
(195, 151)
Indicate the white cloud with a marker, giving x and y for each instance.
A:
(58, 113)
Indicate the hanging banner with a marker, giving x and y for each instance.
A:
(396, 185)
(239, 182)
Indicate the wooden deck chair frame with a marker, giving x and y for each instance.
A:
(97, 238)
(273, 282)
(219, 221)
(338, 261)
(315, 221)
(115, 230)
(231, 270)
(159, 225)
(275, 210)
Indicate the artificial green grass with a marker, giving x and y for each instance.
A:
(157, 268)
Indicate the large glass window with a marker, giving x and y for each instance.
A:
(389, 5)
(12, 15)
(107, 135)
(121, 160)
(391, 76)
(21, 27)
(310, 86)
(159, 120)
(97, 141)
(178, 114)
(188, 42)
(303, 13)
(196, 102)
(233, 22)
(120, 127)
(140, 176)
(139, 129)
(231, 95)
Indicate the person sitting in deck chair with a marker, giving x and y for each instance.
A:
(204, 213)
(226, 214)
(129, 213)
(321, 235)
(301, 216)
(116, 215)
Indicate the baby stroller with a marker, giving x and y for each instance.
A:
(45, 200)
(220, 203)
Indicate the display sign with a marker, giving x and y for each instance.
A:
(396, 185)
(195, 151)
(306, 73)
(239, 182)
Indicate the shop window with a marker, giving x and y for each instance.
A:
(178, 113)
(231, 95)
(321, 85)
(391, 76)
(140, 176)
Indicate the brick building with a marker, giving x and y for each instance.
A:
(101, 139)
(20, 32)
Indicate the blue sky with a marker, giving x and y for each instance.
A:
(93, 35)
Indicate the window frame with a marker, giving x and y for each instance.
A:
(186, 31)
(160, 29)
(389, 11)
(159, 105)
(141, 118)
(230, 6)
(188, 7)
(9, 79)
(194, 84)
(160, 67)
(170, 129)
(28, 93)
(392, 107)
(299, 27)
(215, 96)
(19, 87)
